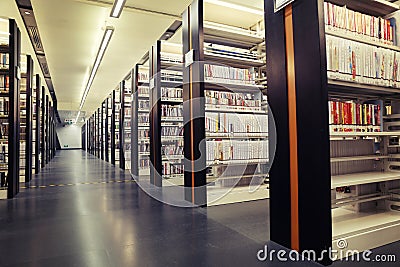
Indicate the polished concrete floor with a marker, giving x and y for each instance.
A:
(81, 211)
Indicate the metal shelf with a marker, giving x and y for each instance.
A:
(354, 89)
(363, 178)
(359, 38)
(230, 36)
(367, 134)
(236, 135)
(237, 162)
(358, 158)
(233, 61)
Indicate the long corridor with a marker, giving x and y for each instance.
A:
(81, 211)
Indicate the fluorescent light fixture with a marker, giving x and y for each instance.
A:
(77, 117)
(117, 8)
(235, 6)
(103, 47)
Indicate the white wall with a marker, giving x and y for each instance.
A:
(70, 136)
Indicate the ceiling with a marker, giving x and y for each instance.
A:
(71, 32)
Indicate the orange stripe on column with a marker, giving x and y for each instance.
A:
(191, 105)
(294, 176)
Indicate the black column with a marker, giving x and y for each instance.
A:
(155, 115)
(29, 119)
(300, 204)
(38, 125)
(102, 132)
(134, 122)
(43, 126)
(47, 130)
(113, 128)
(14, 110)
(106, 143)
(121, 125)
(194, 106)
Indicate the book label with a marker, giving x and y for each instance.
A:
(189, 58)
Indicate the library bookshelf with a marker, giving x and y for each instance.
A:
(166, 113)
(26, 119)
(36, 126)
(140, 110)
(336, 120)
(10, 113)
(364, 91)
(225, 106)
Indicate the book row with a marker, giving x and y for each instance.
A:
(377, 29)
(171, 92)
(4, 153)
(3, 131)
(170, 168)
(236, 150)
(224, 74)
(143, 91)
(143, 77)
(4, 106)
(144, 163)
(171, 111)
(143, 133)
(144, 104)
(169, 57)
(143, 147)
(352, 61)
(4, 82)
(172, 131)
(354, 117)
(4, 61)
(236, 123)
(171, 76)
(172, 149)
(232, 99)
(143, 118)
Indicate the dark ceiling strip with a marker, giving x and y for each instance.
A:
(28, 16)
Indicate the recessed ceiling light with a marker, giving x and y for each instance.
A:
(27, 12)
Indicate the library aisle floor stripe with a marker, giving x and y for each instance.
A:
(85, 183)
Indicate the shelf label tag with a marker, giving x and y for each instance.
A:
(189, 58)
(18, 72)
(281, 4)
(151, 83)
